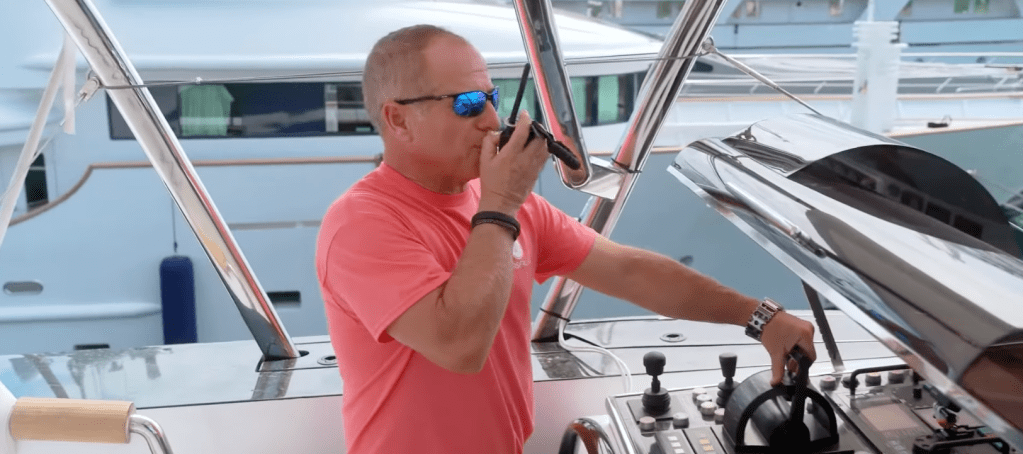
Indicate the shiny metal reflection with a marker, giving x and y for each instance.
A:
(943, 295)
(155, 436)
(112, 68)
(553, 87)
(657, 96)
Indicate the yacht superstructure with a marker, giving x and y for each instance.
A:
(273, 124)
(929, 298)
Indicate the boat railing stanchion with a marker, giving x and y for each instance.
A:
(657, 96)
(126, 89)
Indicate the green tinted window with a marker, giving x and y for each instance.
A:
(580, 98)
(509, 88)
(609, 105)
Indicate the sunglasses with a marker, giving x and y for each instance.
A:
(468, 104)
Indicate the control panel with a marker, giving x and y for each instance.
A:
(876, 410)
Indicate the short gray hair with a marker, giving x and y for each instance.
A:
(394, 65)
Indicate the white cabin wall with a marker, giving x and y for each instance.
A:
(886, 10)
(103, 245)
(27, 29)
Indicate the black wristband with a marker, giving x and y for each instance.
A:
(497, 218)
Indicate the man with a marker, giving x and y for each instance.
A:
(426, 264)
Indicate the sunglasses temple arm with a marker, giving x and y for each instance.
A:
(518, 96)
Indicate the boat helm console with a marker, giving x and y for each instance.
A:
(880, 410)
(906, 244)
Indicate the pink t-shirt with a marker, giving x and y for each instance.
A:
(385, 244)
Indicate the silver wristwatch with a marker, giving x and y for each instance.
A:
(763, 314)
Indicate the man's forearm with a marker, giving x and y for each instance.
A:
(475, 297)
(664, 286)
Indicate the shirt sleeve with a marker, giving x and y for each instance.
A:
(378, 267)
(562, 242)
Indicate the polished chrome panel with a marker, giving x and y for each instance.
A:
(111, 66)
(152, 432)
(941, 298)
(619, 425)
(824, 327)
(171, 375)
(552, 85)
(199, 374)
(819, 137)
(656, 97)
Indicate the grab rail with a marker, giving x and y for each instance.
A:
(84, 421)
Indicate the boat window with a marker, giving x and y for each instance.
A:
(35, 184)
(336, 108)
(509, 88)
(748, 8)
(582, 97)
(275, 110)
(166, 97)
(345, 111)
(801, 12)
(929, 10)
(205, 110)
(669, 9)
(963, 6)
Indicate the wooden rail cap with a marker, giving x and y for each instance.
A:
(94, 421)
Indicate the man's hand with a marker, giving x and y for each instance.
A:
(781, 334)
(507, 175)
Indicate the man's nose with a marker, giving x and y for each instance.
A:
(489, 119)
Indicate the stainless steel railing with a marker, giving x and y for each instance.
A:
(656, 97)
(154, 134)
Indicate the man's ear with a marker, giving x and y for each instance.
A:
(395, 118)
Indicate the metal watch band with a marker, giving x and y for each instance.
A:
(764, 312)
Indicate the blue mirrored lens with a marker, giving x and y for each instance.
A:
(472, 103)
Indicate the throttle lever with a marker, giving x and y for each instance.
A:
(798, 384)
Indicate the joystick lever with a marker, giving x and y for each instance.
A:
(728, 362)
(799, 383)
(655, 398)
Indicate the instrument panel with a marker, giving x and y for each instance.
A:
(877, 410)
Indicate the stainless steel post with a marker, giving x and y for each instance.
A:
(154, 435)
(154, 134)
(553, 87)
(657, 96)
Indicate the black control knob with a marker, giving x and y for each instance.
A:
(654, 363)
(655, 398)
(728, 362)
(873, 379)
